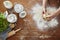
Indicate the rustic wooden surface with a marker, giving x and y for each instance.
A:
(29, 30)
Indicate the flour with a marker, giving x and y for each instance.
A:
(40, 22)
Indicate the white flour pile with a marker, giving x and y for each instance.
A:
(41, 23)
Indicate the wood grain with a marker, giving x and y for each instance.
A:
(29, 31)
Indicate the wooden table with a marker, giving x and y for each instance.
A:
(29, 30)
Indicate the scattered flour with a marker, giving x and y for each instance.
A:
(41, 23)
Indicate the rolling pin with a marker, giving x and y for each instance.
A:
(13, 32)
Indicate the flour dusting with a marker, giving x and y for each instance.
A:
(41, 23)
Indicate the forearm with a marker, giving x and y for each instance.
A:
(44, 3)
(56, 13)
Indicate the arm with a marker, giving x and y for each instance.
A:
(56, 13)
(44, 5)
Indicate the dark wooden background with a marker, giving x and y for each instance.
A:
(29, 31)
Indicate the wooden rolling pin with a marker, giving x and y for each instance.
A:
(13, 32)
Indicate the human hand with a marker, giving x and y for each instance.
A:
(48, 17)
(44, 10)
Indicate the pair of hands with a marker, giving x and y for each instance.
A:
(47, 17)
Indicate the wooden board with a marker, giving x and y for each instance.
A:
(29, 31)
